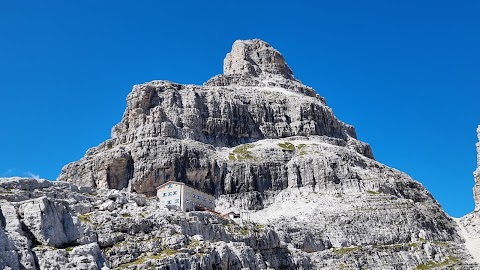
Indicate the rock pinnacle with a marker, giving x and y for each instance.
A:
(255, 57)
(476, 189)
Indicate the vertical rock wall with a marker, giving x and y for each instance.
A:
(476, 188)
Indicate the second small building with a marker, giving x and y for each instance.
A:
(186, 198)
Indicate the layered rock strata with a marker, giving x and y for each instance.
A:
(181, 132)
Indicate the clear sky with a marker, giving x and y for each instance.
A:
(404, 73)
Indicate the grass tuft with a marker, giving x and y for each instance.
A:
(287, 146)
(85, 218)
(346, 250)
(241, 152)
(431, 264)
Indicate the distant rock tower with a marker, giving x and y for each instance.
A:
(476, 188)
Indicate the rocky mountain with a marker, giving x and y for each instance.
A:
(310, 194)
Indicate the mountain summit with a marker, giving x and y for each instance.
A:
(310, 194)
(255, 58)
(189, 133)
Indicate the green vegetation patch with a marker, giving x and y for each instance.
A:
(431, 264)
(346, 250)
(371, 192)
(136, 262)
(85, 218)
(126, 215)
(234, 228)
(141, 260)
(241, 152)
(441, 243)
(120, 244)
(259, 226)
(164, 253)
(287, 146)
(194, 243)
(244, 231)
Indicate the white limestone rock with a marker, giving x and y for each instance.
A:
(255, 58)
(51, 223)
(16, 236)
(85, 257)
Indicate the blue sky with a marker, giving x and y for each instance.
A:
(404, 73)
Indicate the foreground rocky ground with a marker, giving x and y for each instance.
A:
(47, 225)
(56, 225)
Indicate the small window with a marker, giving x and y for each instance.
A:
(169, 202)
(174, 193)
(169, 185)
(177, 200)
(164, 194)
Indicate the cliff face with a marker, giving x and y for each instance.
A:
(470, 224)
(476, 189)
(310, 194)
(182, 132)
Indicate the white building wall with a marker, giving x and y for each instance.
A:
(193, 197)
(171, 194)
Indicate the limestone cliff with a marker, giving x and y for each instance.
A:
(476, 189)
(310, 194)
(470, 224)
(181, 132)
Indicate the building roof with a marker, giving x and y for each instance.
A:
(170, 182)
(228, 213)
